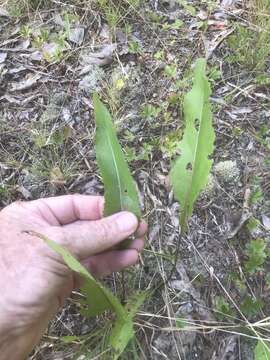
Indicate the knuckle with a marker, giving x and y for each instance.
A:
(105, 230)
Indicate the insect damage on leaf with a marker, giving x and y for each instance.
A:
(190, 171)
(120, 188)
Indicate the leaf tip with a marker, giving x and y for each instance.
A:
(95, 98)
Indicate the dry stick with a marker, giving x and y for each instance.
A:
(228, 295)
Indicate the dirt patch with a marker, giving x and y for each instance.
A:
(140, 61)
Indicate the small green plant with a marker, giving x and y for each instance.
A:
(115, 12)
(251, 48)
(186, 5)
(159, 55)
(120, 194)
(134, 47)
(251, 306)
(19, 8)
(250, 45)
(26, 31)
(253, 224)
(150, 111)
(141, 154)
(170, 71)
(223, 308)
(189, 173)
(177, 24)
(214, 74)
(170, 143)
(41, 39)
(256, 253)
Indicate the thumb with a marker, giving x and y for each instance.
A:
(86, 238)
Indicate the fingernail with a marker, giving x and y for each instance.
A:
(127, 222)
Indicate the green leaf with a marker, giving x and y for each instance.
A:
(69, 339)
(181, 323)
(120, 189)
(262, 351)
(251, 306)
(256, 252)
(98, 299)
(123, 331)
(190, 172)
(121, 335)
(223, 308)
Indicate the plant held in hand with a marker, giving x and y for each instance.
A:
(120, 189)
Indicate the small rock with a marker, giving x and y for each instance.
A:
(36, 56)
(266, 222)
(102, 57)
(76, 35)
(25, 192)
(50, 49)
(66, 115)
(3, 57)
(90, 82)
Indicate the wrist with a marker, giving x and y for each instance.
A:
(11, 348)
(16, 341)
(14, 344)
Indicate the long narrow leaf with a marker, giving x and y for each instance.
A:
(191, 170)
(120, 189)
(262, 351)
(123, 331)
(98, 299)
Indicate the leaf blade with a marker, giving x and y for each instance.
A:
(123, 331)
(262, 351)
(98, 298)
(190, 172)
(120, 189)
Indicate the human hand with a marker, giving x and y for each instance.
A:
(34, 280)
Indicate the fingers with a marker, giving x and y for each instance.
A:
(66, 209)
(86, 238)
(142, 229)
(116, 260)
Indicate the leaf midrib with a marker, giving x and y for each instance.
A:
(116, 169)
(194, 161)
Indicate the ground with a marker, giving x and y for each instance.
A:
(139, 56)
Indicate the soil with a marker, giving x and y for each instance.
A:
(47, 148)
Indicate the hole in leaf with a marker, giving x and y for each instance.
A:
(189, 166)
(197, 124)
